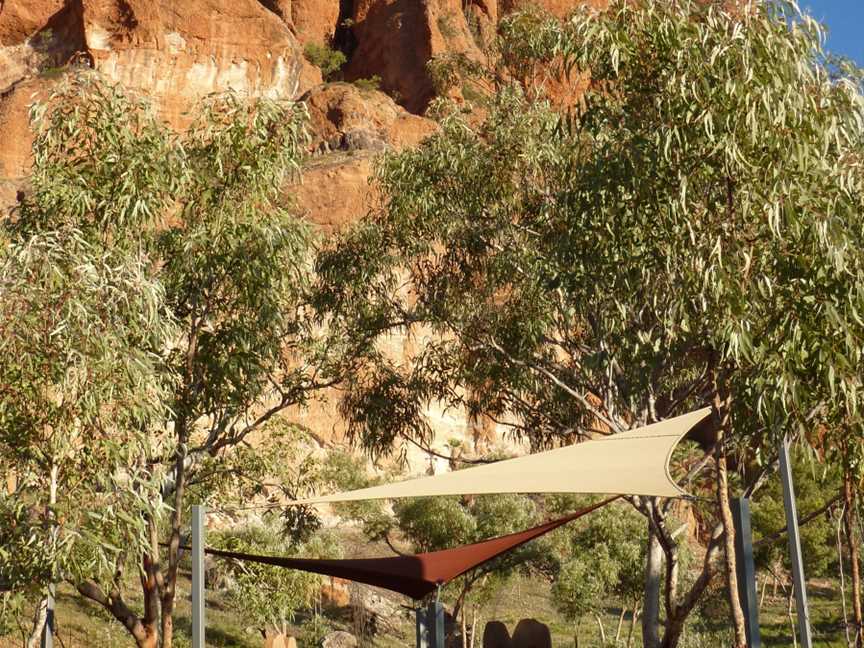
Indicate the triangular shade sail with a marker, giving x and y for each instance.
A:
(417, 575)
(635, 462)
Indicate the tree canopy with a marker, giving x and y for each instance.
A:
(690, 235)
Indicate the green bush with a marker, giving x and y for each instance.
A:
(372, 83)
(329, 60)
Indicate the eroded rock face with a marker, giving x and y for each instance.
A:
(17, 139)
(315, 21)
(20, 19)
(36, 36)
(396, 39)
(347, 118)
(177, 52)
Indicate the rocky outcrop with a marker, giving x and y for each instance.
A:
(396, 39)
(15, 145)
(349, 125)
(21, 19)
(346, 118)
(177, 52)
(172, 52)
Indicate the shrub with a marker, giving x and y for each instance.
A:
(372, 83)
(329, 60)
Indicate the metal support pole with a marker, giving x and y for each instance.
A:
(422, 628)
(795, 547)
(198, 531)
(48, 629)
(746, 570)
(435, 620)
(430, 626)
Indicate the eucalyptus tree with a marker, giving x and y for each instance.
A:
(436, 523)
(82, 333)
(232, 262)
(678, 242)
(597, 560)
(269, 596)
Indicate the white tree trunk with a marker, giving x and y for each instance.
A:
(602, 629)
(39, 619)
(651, 605)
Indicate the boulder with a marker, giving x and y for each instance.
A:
(334, 592)
(347, 118)
(334, 193)
(530, 633)
(339, 639)
(495, 635)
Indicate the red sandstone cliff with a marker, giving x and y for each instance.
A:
(175, 52)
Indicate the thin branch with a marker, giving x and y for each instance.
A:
(777, 535)
(561, 384)
(441, 456)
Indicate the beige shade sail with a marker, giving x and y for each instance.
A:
(635, 462)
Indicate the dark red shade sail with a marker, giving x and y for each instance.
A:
(418, 575)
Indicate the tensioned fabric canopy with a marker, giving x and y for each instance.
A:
(419, 574)
(635, 462)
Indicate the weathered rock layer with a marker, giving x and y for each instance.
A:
(175, 53)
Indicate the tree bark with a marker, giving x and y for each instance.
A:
(602, 629)
(474, 626)
(620, 624)
(651, 605)
(840, 521)
(40, 617)
(169, 588)
(721, 417)
(633, 624)
(145, 636)
(850, 523)
(675, 624)
(792, 628)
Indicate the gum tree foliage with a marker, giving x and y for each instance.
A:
(435, 523)
(231, 263)
(813, 482)
(691, 237)
(596, 560)
(267, 596)
(82, 384)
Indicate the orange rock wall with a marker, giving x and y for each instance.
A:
(175, 52)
